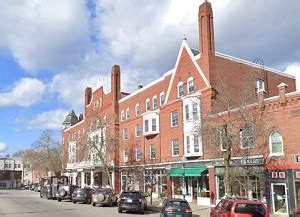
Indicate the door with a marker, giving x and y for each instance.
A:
(279, 198)
(297, 193)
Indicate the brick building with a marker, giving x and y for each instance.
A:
(157, 126)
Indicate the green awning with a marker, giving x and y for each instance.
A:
(197, 171)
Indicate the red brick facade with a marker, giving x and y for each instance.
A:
(196, 76)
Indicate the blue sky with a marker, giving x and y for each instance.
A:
(51, 50)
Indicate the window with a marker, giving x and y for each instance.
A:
(147, 105)
(275, 143)
(138, 154)
(191, 85)
(125, 156)
(137, 110)
(152, 151)
(175, 147)
(174, 119)
(162, 98)
(125, 133)
(195, 111)
(122, 115)
(222, 136)
(153, 124)
(188, 144)
(259, 85)
(127, 113)
(187, 112)
(146, 126)
(137, 130)
(154, 102)
(196, 144)
(180, 89)
(246, 137)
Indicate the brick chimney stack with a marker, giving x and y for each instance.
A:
(206, 28)
(116, 89)
(282, 90)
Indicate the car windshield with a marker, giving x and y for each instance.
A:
(178, 204)
(130, 194)
(254, 209)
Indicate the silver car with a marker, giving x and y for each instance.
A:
(104, 196)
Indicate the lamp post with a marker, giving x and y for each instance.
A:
(183, 177)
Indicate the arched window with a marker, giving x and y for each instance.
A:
(190, 86)
(162, 98)
(147, 104)
(154, 102)
(275, 143)
(180, 89)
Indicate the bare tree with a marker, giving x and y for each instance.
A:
(240, 130)
(45, 154)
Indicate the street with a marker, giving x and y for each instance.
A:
(25, 203)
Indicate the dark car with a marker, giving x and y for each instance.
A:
(82, 195)
(132, 201)
(65, 192)
(239, 207)
(104, 196)
(32, 187)
(175, 207)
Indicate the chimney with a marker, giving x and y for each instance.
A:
(88, 96)
(261, 99)
(282, 90)
(140, 86)
(116, 89)
(206, 29)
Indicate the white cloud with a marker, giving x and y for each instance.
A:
(3, 147)
(48, 120)
(44, 34)
(24, 92)
(294, 69)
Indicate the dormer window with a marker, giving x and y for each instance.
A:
(147, 104)
(154, 102)
(259, 85)
(162, 98)
(180, 89)
(190, 85)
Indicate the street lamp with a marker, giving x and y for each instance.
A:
(183, 177)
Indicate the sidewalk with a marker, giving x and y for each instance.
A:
(198, 210)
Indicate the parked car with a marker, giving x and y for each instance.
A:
(50, 185)
(175, 207)
(239, 207)
(104, 196)
(27, 186)
(65, 192)
(82, 195)
(32, 187)
(132, 201)
(37, 188)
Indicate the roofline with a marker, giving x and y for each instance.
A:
(147, 86)
(252, 64)
(74, 125)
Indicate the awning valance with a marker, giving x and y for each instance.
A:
(197, 171)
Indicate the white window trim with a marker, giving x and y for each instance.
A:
(136, 159)
(125, 159)
(160, 96)
(257, 81)
(180, 84)
(152, 158)
(122, 115)
(154, 98)
(136, 130)
(173, 148)
(270, 145)
(127, 114)
(188, 84)
(137, 106)
(125, 129)
(147, 100)
(172, 119)
(241, 140)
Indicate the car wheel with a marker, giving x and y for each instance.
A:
(110, 203)
(142, 211)
(93, 204)
(58, 199)
(74, 201)
(119, 211)
(41, 196)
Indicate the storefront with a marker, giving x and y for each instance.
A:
(190, 183)
(284, 191)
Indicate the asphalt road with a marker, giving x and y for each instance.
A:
(25, 203)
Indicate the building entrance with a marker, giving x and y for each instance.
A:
(297, 192)
(279, 198)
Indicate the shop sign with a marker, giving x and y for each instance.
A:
(298, 174)
(297, 158)
(282, 175)
(242, 162)
(274, 175)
